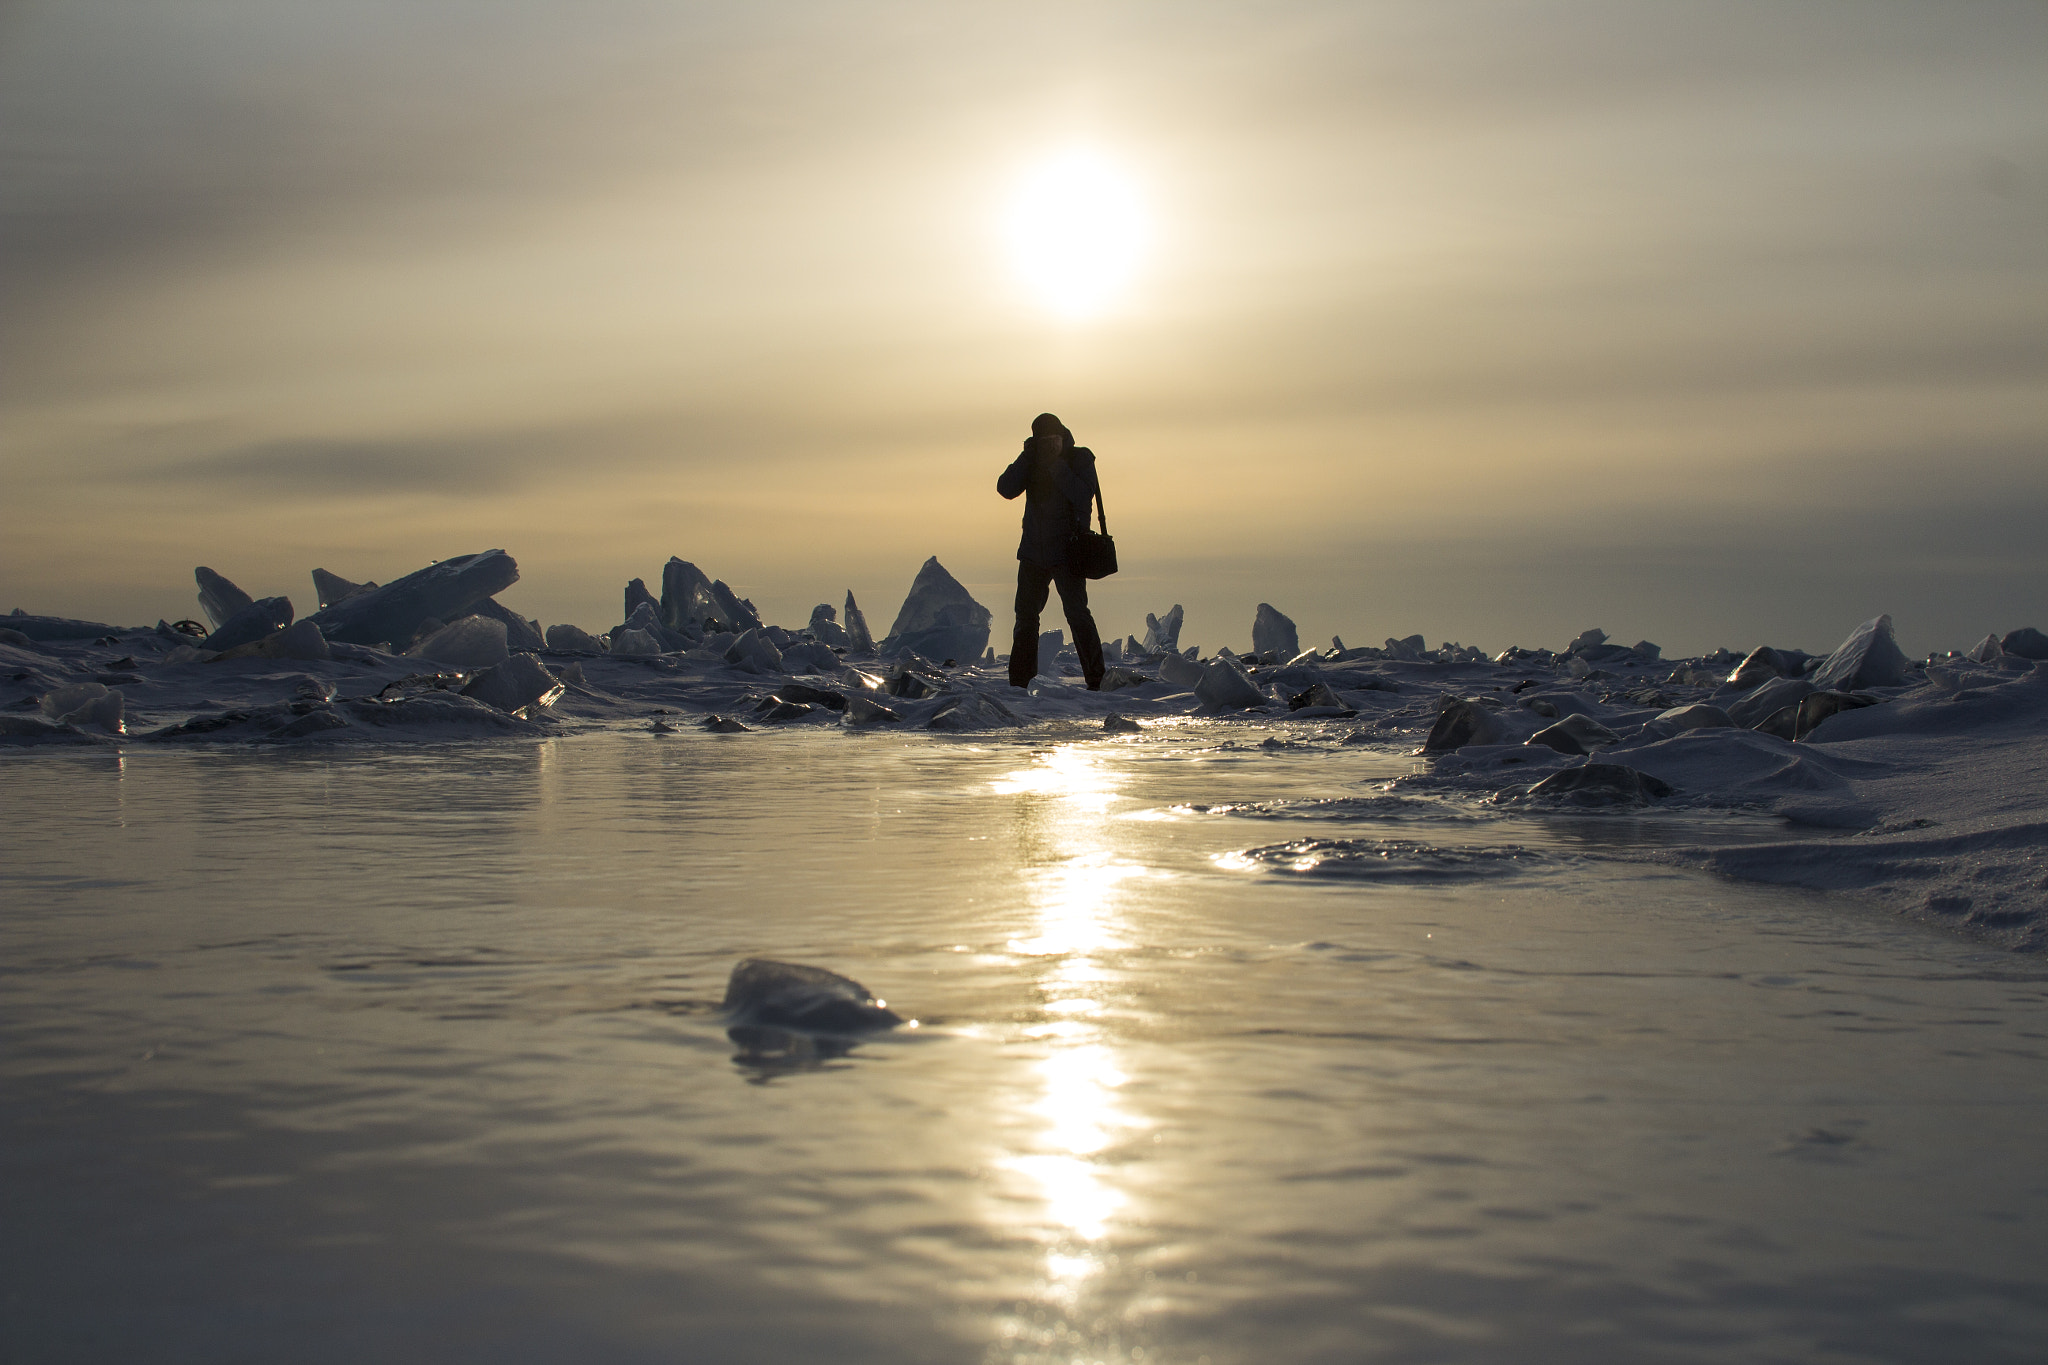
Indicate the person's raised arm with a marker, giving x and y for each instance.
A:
(1012, 481)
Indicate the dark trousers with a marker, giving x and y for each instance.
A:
(1034, 582)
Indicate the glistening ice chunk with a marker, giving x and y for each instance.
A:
(859, 641)
(472, 642)
(739, 612)
(1679, 719)
(54, 627)
(569, 640)
(755, 652)
(1769, 699)
(1868, 658)
(825, 627)
(330, 588)
(688, 605)
(301, 640)
(2026, 642)
(250, 624)
(1225, 685)
(635, 644)
(940, 619)
(85, 704)
(219, 598)
(1463, 722)
(521, 635)
(809, 999)
(521, 686)
(1050, 643)
(393, 613)
(1601, 784)
(1274, 634)
(1162, 633)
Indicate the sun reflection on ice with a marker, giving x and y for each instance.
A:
(1077, 885)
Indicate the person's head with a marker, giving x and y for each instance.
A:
(1051, 431)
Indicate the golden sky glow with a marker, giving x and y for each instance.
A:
(1714, 323)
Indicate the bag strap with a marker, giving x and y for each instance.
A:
(1101, 511)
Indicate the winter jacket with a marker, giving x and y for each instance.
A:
(1056, 504)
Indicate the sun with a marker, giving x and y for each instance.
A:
(1076, 231)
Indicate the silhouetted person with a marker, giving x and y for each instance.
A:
(1057, 479)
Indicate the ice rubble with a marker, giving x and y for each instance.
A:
(940, 619)
(1911, 780)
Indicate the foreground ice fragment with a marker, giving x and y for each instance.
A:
(939, 619)
(1870, 657)
(521, 686)
(1181, 672)
(250, 623)
(472, 642)
(635, 644)
(393, 613)
(792, 996)
(219, 598)
(1114, 724)
(1273, 633)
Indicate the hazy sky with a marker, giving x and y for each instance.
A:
(1713, 324)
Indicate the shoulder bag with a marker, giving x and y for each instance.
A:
(1093, 555)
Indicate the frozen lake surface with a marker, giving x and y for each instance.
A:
(1223, 1054)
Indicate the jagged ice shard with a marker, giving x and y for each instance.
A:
(1868, 658)
(1273, 633)
(857, 636)
(1162, 633)
(219, 598)
(940, 619)
(330, 588)
(687, 603)
(394, 613)
(251, 623)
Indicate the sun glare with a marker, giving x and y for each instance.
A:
(1076, 230)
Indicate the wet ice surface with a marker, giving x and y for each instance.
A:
(415, 1055)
